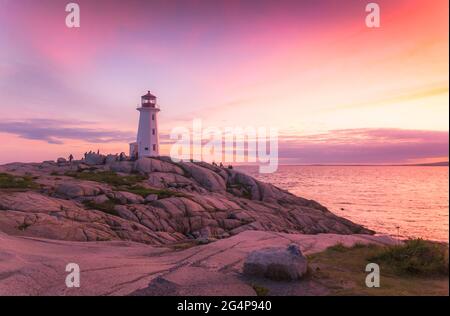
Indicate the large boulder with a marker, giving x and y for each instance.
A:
(31, 202)
(94, 159)
(111, 158)
(172, 180)
(61, 160)
(205, 177)
(276, 263)
(121, 166)
(77, 189)
(126, 197)
(147, 165)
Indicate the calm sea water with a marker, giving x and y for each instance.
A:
(405, 201)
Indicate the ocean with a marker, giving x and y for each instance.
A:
(404, 201)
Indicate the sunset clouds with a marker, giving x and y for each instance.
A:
(337, 91)
(366, 146)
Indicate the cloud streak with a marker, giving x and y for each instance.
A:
(362, 146)
(58, 131)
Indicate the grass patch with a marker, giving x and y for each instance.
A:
(8, 181)
(340, 247)
(109, 177)
(342, 269)
(161, 193)
(416, 257)
(128, 183)
(245, 190)
(182, 245)
(106, 207)
(260, 290)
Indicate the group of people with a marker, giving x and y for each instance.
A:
(221, 165)
(121, 157)
(91, 152)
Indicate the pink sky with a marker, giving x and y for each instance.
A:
(337, 91)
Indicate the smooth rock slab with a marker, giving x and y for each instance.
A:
(277, 263)
(35, 266)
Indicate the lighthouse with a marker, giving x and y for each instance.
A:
(147, 143)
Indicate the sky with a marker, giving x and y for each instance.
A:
(336, 90)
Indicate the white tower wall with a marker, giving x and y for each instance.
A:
(147, 136)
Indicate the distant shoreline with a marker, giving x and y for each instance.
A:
(437, 164)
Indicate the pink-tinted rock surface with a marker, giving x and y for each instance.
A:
(122, 222)
(34, 266)
(185, 201)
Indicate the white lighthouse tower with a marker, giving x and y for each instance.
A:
(147, 144)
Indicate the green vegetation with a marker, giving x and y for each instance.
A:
(182, 245)
(260, 290)
(107, 206)
(340, 247)
(415, 257)
(161, 193)
(8, 181)
(341, 269)
(109, 177)
(23, 226)
(245, 190)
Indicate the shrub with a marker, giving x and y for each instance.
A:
(161, 193)
(415, 257)
(23, 226)
(260, 290)
(109, 177)
(8, 181)
(107, 206)
(339, 247)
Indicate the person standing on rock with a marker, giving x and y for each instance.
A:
(70, 158)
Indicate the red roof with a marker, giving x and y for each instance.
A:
(148, 95)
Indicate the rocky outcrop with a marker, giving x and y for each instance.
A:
(94, 159)
(37, 215)
(207, 178)
(71, 189)
(157, 202)
(147, 165)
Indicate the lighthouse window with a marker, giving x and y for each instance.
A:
(153, 117)
(154, 147)
(146, 148)
(153, 131)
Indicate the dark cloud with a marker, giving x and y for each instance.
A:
(57, 131)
